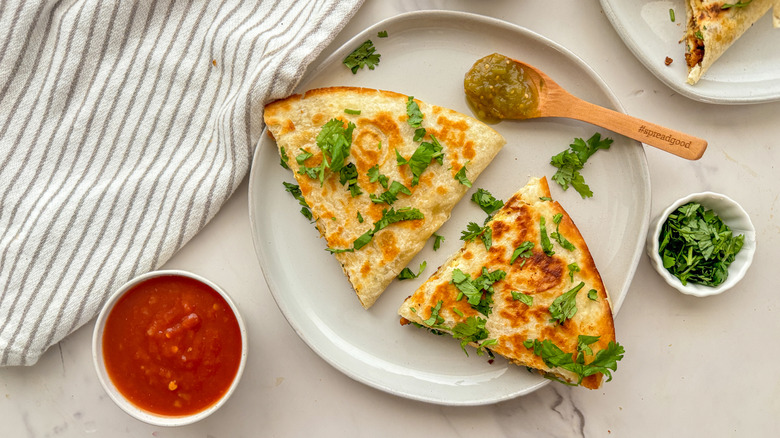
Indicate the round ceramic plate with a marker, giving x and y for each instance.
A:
(748, 72)
(426, 54)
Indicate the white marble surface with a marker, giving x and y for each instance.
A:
(694, 367)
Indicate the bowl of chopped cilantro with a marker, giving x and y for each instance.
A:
(702, 244)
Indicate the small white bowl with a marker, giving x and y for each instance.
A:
(118, 397)
(732, 215)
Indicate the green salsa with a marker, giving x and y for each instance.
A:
(499, 88)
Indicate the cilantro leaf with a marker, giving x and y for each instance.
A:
(571, 161)
(473, 231)
(388, 217)
(604, 362)
(415, 116)
(565, 306)
(479, 291)
(435, 320)
(348, 177)
(391, 195)
(421, 158)
(375, 176)
(284, 158)
(593, 294)
(544, 238)
(461, 177)
(557, 234)
(471, 330)
(528, 300)
(382, 34)
(573, 267)
(295, 191)
(363, 56)
(437, 241)
(525, 250)
(697, 246)
(407, 274)
(486, 201)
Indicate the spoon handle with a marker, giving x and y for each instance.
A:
(669, 140)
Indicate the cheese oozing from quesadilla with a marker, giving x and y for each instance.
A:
(714, 25)
(380, 171)
(533, 295)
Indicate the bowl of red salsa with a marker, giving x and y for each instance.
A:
(169, 347)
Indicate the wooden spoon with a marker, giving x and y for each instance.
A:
(554, 101)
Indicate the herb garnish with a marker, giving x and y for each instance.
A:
(335, 141)
(528, 300)
(461, 177)
(284, 158)
(382, 34)
(348, 177)
(593, 294)
(473, 230)
(557, 234)
(571, 161)
(565, 306)
(435, 320)
(486, 201)
(375, 176)
(295, 190)
(525, 250)
(391, 195)
(388, 217)
(472, 330)
(479, 291)
(362, 56)
(421, 158)
(573, 267)
(352, 112)
(697, 246)
(437, 241)
(407, 274)
(544, 238)
(605, 361)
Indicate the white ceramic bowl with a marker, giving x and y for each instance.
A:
(116, 395)
(732, 215)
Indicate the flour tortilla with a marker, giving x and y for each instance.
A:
(711, 30)
(381, 131)
(543, 277)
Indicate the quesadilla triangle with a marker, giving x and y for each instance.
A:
(713, 26)
(533, 295)
(380, 171)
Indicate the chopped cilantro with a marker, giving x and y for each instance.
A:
(435, 320)
(528, 300)
(525, 250)
(415, 116)
(565, 306)
(593, 295)
(545, 198)
(572, 160)
(573, 267)
(382, 34)
(437, 241)
(295, 190)
(697, 246)
(352, 111)
(284, 158)
(479, 291)
(335, 142)
(421, 158)
(558, 236)
(407, 274)
(472, 330)
(604, 362)
(461, 177)
(348, 177)
(375, 176)
(486, 201)
(544, 238)
(362, 56)
(388, 217)
(473, 230)
(359, 217)
(739, 4)
(391, 195)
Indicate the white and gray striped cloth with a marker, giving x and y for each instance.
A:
(124, 126)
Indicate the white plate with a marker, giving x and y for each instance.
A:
(749, 71)
(426, 55)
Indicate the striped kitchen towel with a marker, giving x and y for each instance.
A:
(124, 126)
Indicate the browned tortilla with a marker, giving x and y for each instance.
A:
(381, 132)
(543, 277)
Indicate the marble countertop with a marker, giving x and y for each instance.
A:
(694, 366)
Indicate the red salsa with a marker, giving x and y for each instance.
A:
(172, 345)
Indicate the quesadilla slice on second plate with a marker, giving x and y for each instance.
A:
(380, 171)
(528, 290)
(714, 25)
